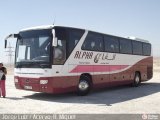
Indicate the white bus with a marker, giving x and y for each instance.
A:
(58, 59)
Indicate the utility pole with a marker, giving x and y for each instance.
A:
(10, 54)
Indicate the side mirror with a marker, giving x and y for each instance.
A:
(54, 41)
(5, 44)
(10, 36)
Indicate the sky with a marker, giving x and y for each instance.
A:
(139, 18)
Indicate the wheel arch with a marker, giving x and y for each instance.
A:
(88, 75)
(138, 72)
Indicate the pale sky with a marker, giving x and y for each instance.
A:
(139, 18)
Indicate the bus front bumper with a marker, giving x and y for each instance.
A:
(33, 84)
(46, 85)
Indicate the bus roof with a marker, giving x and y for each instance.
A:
(51, 26)
(38, 28)
(138, 39)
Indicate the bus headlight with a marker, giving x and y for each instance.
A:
(43, 82)
(15, 80)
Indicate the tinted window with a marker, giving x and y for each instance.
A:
(61, 33)
(111, 44)
(146, 49)
(60, 50)
(93, 42)
(125, 46)
(74, 37)
(137, 48)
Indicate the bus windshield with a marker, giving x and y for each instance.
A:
(33, 49)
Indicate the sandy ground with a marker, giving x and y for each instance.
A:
(143, 99)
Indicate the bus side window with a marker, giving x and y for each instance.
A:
(59, 52)
(74, 37)
(137, 47)
(125, 46)
(93, 42)
(146, 49)
(111, 44)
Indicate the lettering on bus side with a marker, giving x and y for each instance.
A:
(83, 55)
(98, 57)
(104, 56)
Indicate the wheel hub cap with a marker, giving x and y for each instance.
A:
(137, 79)
(83, 85)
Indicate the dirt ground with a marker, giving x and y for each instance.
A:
(126, 99)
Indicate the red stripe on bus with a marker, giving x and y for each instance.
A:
(97, 68)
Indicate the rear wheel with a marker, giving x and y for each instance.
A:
(84, 86)
(137, 80)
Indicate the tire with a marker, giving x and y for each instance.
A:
(137, 80)
(84, 86)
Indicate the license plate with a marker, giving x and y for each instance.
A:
(28, 87)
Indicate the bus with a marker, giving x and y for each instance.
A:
(59, 59)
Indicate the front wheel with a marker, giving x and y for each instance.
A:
(137, 80)
(84, 86)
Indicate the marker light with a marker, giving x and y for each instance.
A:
(43, 82)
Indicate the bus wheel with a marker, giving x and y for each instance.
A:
(137, 79)
(84, 86)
